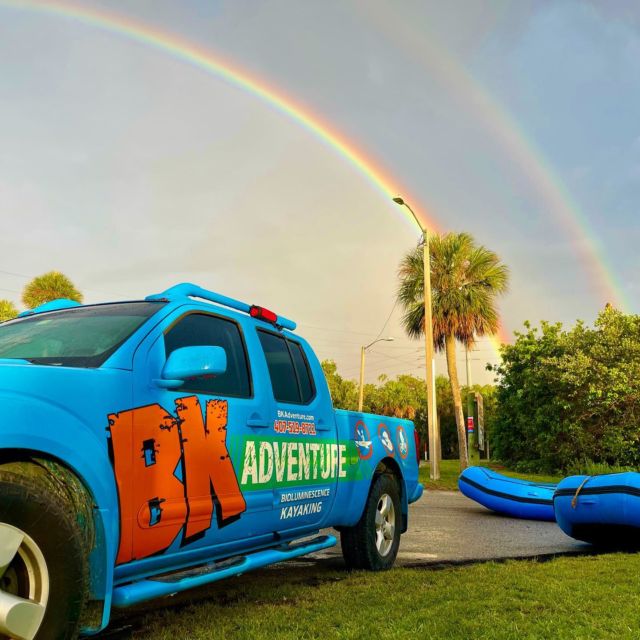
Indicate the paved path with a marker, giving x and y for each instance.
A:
(447, 527)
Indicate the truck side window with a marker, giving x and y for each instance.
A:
(304, 374)
(288, 369)
(198, 329)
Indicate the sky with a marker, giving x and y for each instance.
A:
(130, 169)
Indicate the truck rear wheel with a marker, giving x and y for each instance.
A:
(373, 543)
(42, 563)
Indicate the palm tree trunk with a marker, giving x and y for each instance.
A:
(452, 369)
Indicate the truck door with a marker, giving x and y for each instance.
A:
(304, 447)
(183, 484)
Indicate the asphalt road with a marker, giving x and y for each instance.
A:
(446, 527)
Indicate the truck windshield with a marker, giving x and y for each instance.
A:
(78, 337)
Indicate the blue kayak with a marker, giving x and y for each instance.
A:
(602, 510)
(509, 496)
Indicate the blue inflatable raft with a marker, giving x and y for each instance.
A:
(602, 510)
(509, 496)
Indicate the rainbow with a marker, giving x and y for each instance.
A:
(521, 148)
(217, 66)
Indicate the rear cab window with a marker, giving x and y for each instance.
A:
(289, 370)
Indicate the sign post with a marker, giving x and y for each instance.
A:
(480, 413)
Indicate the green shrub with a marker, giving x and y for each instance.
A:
(566, 396)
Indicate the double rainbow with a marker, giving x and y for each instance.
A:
(217, 66)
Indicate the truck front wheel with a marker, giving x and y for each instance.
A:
(373, 542)
(42, 566)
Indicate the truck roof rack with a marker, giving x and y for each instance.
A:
(189, 290)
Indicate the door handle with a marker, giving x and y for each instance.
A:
(323, 426)
(258, 422)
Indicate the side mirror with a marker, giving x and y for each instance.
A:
(192, 362)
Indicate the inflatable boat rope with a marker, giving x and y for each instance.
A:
(574, 502)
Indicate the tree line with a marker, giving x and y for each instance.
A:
(566, 400)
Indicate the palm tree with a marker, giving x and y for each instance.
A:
(8, 310)
(49, 286)
(466, 279)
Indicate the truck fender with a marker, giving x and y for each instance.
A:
(32, 429)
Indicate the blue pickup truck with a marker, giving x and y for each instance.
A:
(153, 446)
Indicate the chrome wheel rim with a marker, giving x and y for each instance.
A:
(24, 584)
(385, 524)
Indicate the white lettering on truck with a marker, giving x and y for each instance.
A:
(287, 462)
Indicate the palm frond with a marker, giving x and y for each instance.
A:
(466, 280)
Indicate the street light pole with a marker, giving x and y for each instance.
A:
(432, 425)
(363, 350)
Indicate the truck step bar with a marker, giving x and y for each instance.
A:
(136, 592)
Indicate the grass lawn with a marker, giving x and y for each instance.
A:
(587, 597)
(450, 470)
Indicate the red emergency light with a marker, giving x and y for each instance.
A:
(260, 313)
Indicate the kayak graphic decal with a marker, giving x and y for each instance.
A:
(385, 438)
(403, 443)
(363, 440)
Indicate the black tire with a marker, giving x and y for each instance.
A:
(358, 543)
(28, 504)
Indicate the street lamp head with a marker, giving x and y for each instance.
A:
(376, 341)
(400, 201)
